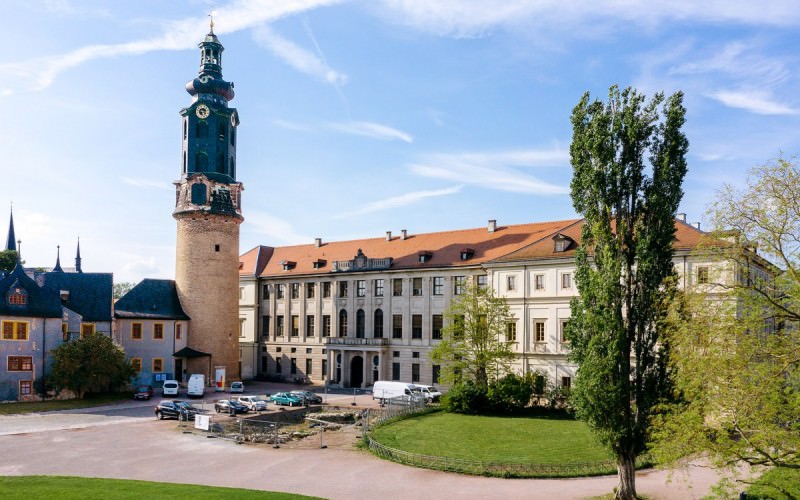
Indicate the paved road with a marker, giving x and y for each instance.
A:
(125, 441)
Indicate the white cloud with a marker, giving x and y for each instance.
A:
(40, 73)
(400, 201)
(371, 129)
(276, 230)
(297, 57)
(758, 102)
(299, 127)
(498, 170)
(146, 183)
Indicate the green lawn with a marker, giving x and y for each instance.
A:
(81, 488)
(69, 404)
(494, 439)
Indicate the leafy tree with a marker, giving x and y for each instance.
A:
(736, 352)
(122, 288)
(511, 393)
(624, 270)
(8, 260)
(473, 347)
(91, 364)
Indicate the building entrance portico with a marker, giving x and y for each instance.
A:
(354, 362)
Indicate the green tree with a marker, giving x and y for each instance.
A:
(736, 352)
(473, 346)
(122, 288)
(8, 260)
(91, 364)
(624, 270)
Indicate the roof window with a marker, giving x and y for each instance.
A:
(424, 256)
(319, 263)
(288, 265)
(467, 253)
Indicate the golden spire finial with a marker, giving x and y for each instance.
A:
(211, 23)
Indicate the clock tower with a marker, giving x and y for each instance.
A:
(208, 213)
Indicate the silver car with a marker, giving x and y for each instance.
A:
(255, 403)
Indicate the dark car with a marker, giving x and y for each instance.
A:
(230, 406)
(181, 410)
(143, 392)
(308, 396)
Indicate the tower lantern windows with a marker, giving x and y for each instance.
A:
(201, 162)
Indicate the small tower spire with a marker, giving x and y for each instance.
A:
(78, 257)
(211, 23)
(58, 269)
(11, 243)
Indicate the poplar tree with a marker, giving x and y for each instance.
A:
(628, 160)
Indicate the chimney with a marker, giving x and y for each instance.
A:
(696, 225)
(682, 217)
(317, 242)
(403, 234)
(492, 225)
(388, 236)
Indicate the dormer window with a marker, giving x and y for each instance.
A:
(466, 253)
(562, 243)
(319, 263)
(17, 296)
(425, 256)
(288, 265)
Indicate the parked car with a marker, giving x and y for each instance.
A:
(431, 393)
(171, 388)
(237, 387)
(307, 396)
(284, 398)
(170, 408)
(230, 406)
(143, 392)
(255, 403)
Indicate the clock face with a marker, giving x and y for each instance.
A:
(202, 111)
(233, 120)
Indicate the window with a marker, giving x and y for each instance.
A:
(566, 382)
(342, 288)
(20, 363)
(415, 372)
(538, 281)
(458, 326)
(566, 281)
(564, 324)
(415, 354)
(309, 326)
(438, 285)
(17, 297)
(241, 293)
(437, 323)
(702, 275)
(416, 326)
(295, 325)
(308, 366)
(326, 289)
(511, 332)
(278, 368)
(378, 286)
(265, 291)
(377, 324)
(342, 323)
(158, 365)
(279, 325)
(242, 327)
(136, 331)
(178, 331)
(279, 291)
(295, 290)
(481, 280)
(25, 387)
(360, 324)
(310, 290)
(265, 325)
(87, 329)
(324, 368)
(416, 287)
(326, 325)
(458, 285)
(136, 364)
(397, 287)
(436, 370)
(511, 283)
(64, 333)
(293, 367)
(395, 371)
(538, 331)
(397, 326)
(361, 288)
(158, 331)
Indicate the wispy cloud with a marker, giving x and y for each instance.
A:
(297, 57)
(370, 129)
(501, 171)
(400, 201)
(147, 183)
(40, 73)
(274, 229)
(754, 101)
(298, 127)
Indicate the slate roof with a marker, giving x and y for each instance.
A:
(90, 294)
(41, 303)
(151, 299)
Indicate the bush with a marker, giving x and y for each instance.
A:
(466, 397)
(511, 393)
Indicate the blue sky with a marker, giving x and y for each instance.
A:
(360, 117)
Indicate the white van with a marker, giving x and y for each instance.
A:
(385, 389)
(430, 392)
(171, 388)
(196, 386)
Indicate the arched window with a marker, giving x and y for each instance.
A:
(233, 136)
(201, 129)
(233, 168)
(185, 128)
(377, 326)
(184, 162)
(199, 194)
(360, 324)
(201, 162)
(222, 129)
(343, 323)
(221, 163)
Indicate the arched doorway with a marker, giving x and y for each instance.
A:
(356, 371)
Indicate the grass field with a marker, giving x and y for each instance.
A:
(69, 404)
(81, 488)
(494, 439)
